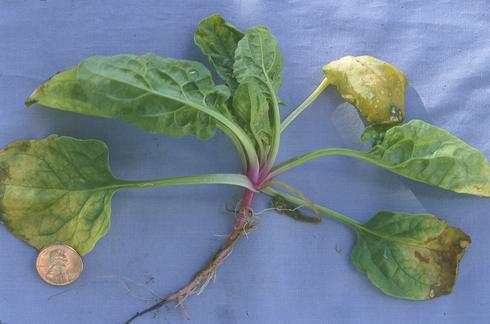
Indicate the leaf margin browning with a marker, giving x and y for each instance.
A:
(446, 244)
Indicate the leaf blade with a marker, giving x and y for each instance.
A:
(251, 109)
(409, 256)
(218, 39)
(172, 97)
(258, 60)
(376, 88)
(57, 190)
(425, 153)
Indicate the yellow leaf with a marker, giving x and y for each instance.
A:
(374, 87)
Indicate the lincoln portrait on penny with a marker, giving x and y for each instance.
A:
(57, 271)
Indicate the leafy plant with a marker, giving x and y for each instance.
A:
(59, 189)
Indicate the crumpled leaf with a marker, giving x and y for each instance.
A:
(426, 153)
(258, 59)
(410, 256)
(218, 39)
(56, 190)
(167, 96)
(374, 87)
(258, 70)
(251, 110)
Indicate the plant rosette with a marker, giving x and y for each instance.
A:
(59, 189)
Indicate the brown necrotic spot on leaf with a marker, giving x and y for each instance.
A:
(449, 248)
(4, 171)
(22, 146)
(419, 256)
(410, 256)
(34, 95)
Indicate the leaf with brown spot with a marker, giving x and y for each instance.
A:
(409, 256)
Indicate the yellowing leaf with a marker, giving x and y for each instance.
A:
(374, 87)
(57, 190)
(410, 256)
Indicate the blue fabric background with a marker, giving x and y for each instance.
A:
(285, 272)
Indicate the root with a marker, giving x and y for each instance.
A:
(243, 225)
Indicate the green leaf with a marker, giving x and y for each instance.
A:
(56, 190)
(59, 190)
(258, 59)
(251, 110)
(426, 153)
(217, 39)
(167, 96)
(409, 256)
(374, 134)
(406, 256)
(374, 87)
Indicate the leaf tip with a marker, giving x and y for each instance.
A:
(33, 98)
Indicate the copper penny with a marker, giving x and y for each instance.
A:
(59, 264)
